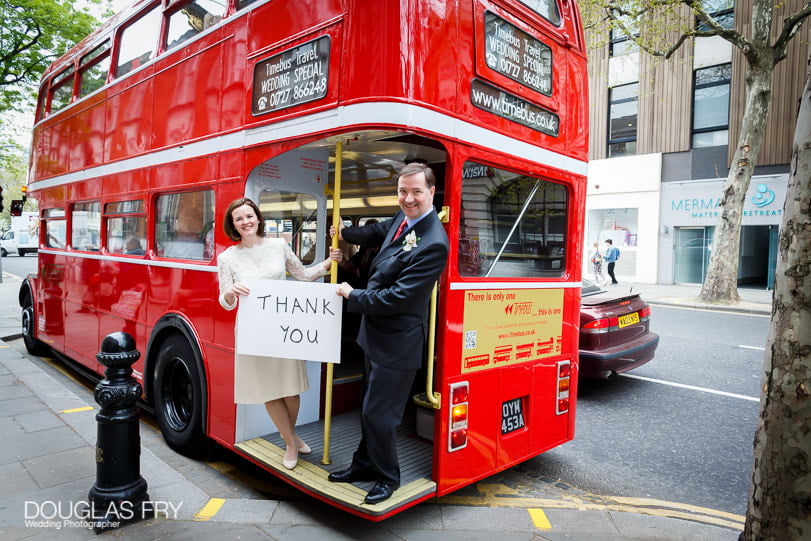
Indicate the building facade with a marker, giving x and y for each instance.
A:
(663, 133)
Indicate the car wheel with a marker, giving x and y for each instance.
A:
(32, 345)
(3, 252)
(179, 397)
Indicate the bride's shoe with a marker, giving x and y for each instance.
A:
(290, 463)
(303, 448)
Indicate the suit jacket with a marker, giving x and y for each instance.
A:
(396, 301)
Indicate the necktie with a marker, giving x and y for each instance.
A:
(400, 229)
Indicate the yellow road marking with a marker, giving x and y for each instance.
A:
(74, 410)
(539, 519)
(209, 509)
(498, 495)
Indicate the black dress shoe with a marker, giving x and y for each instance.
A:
(381, 492)
(350, 476)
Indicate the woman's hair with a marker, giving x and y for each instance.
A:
(228, 222)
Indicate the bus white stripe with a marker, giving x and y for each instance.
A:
(515, 285)
(342, 117)
(204, 267)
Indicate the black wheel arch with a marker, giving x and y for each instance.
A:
(26, 290)
(173, 324)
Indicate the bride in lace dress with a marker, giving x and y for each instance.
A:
(275, 382)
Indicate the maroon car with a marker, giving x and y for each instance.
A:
(614, 332)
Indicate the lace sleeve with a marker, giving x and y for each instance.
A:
(226, 280)
(298, 270)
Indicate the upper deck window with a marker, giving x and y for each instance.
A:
(62, 90)
(139, 42)
(242, 4)
(193, 18)
(547, 9)
(93, 69)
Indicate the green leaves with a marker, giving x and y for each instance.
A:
(34, 33)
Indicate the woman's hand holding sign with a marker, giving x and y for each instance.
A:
(237, 288)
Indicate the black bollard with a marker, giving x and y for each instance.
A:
(119, 494)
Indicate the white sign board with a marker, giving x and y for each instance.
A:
(291, 320)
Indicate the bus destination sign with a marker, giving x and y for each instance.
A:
(513, 108)
(514, 53)
(295, 76)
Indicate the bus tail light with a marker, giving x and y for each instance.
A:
(457, 424)
(564, 381)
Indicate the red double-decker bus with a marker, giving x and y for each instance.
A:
(152, 125)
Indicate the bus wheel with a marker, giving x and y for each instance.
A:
(32, 345)
(179, 397)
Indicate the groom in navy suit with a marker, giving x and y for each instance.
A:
(394, 328)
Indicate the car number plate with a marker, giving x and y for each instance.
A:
(628, 319)
(512, 416)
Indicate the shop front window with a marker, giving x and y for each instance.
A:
(621, 225)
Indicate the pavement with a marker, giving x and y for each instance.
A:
(47, 466)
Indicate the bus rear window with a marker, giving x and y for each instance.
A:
(513, 225)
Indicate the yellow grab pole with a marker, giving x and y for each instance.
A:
(336, 221)
(433, 398)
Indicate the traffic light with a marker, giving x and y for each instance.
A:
(16, 207)
(1, 199)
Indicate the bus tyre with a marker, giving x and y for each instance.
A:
(32, 345)
(179, 397)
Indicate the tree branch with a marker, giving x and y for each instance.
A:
(791, 25)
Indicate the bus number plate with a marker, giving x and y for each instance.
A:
(512, 416)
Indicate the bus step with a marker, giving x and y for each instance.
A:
(310, 474)
(313, 477)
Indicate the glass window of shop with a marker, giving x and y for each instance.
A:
(621, 225)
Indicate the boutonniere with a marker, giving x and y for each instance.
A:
(410, 241)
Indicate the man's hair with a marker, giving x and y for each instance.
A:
(417, 167)
(228, 222)
(609, 241)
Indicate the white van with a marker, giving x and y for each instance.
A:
(23, 237)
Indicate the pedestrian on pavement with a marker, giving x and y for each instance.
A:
(394, 325)
(276, 383)
(612, 254)
(597, 264)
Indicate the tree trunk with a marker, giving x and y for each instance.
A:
(780, 492)
(721, 283)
